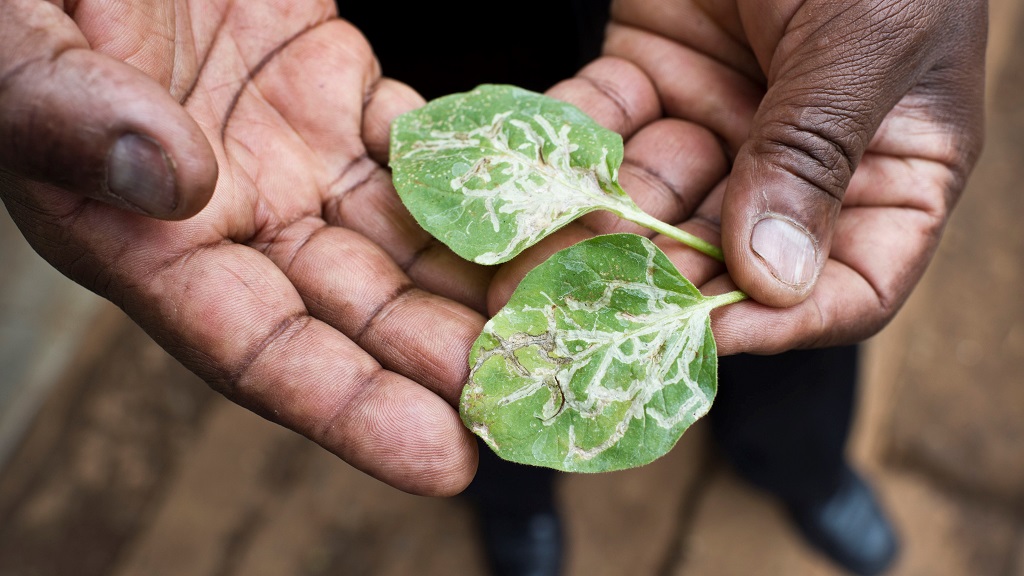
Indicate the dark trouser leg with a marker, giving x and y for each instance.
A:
(783, 420)
(500, 484)
(519, 523)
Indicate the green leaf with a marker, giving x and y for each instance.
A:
(600, 361)
(492, 171)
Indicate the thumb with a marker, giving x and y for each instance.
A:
(834, 71)
(92, 125)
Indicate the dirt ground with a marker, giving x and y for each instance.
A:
(132, 466)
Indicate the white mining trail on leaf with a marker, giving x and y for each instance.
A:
(542, 192)
(665, 339)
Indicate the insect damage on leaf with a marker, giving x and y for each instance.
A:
(492, 171)
(600, 361)
(604, 355)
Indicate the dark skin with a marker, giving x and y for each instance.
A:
(250, 197)
(856, 126)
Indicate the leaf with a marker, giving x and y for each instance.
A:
(492, 171)
(600, 361)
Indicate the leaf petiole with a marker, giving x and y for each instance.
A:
(651, 223)
(726, 299)
(630, 211)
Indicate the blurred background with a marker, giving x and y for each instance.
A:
(116, 461)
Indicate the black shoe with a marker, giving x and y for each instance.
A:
(850, 528)
(522, 543)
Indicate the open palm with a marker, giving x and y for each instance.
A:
(303, 290)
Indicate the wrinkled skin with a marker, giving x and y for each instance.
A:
(302, 290)
(260, 241)
(857, 122)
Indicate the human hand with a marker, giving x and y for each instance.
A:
(303, 290)
(851, 129)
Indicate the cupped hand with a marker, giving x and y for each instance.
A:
(303, 290)
(824, 144)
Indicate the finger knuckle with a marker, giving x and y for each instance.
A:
(818, 148)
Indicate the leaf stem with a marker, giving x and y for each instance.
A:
(727, 298)
(651, 223)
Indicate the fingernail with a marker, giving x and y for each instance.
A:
(786, 248)
(140, 173)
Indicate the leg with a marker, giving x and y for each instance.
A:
(783, 421)
(502, 485)
(519, 522)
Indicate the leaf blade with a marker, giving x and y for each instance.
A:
(492, 171)
(602, 358)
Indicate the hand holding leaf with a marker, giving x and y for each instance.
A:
(493, 171)
(603, 334)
